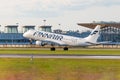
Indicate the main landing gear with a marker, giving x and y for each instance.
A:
(53, 48)
(65, 48)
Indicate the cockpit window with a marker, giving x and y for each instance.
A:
(31, 29)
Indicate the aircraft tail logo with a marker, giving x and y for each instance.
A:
(94, 34)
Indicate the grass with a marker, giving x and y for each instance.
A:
(59, 69)
(47, 51)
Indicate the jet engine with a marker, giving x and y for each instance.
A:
(40, 43)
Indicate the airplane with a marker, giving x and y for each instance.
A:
(62, 40)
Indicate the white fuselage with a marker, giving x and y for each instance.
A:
(64, 39)
(56, 38)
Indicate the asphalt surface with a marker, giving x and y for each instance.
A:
(60, 56)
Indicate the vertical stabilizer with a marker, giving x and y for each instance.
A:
(94, 35)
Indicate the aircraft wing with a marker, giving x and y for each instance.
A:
(91, 43)
(105, 42)
(99, 43)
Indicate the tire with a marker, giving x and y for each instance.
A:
(52, 49)
(65, 48)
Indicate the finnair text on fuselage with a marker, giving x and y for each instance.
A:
(48, 35)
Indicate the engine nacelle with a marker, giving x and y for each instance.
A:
(40, 43)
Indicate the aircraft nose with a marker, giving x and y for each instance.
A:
(25, 34)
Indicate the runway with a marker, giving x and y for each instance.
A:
(59, 56)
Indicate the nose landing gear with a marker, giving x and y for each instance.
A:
(52, 49)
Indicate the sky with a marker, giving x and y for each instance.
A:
(67, 13)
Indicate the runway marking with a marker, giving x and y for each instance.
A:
(60, 56)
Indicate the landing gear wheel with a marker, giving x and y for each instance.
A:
(52, 49)
(65, 48)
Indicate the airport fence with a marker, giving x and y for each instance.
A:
(48, 46)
